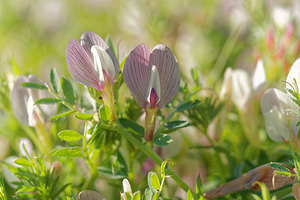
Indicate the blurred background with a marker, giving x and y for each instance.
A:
(206, 36)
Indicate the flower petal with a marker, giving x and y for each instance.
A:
(80, 65)
(277, 107)
(241, 88)
(137, 72)
(103, 63)
(47, 110)
(164, 60)
(19, 98)
(259, 77)
(294, 73)
(88, 39)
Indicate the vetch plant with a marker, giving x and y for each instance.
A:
(93, 64)
(153, 79)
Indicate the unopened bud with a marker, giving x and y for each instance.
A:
(56, 169)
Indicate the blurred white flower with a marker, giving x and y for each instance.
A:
(25, 142)
(126, 189)
(126, 186)
(281, 16)
(238, 85)
(294, 73)
(90, 195)
(23, 102)
(8, 175)
(259, 77)
(4, 147)
(227, 84)
(279, 109)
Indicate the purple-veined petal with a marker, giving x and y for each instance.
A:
(137, 73)
(80, 65)
(294, 73)
(277, 107)
(164, 60)
(89, 39)
(19, 98)
(103, 63)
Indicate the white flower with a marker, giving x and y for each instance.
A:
(277, 108)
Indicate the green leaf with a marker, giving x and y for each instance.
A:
(199, 189)
(68, 152)
(54, 79)
(111, 174)
(148, 194)
(174, 125)
(177, 124)
(34, 86)
(47, 101)
(105, 113)
(110, 44)
(162, 139)
(264, 190)
(136, 195)
(153, 181)
(279, 167)
(69, 135)
(190, 195)
(68, 90)
(84, 116)
(23, 162)
(187, 105)
(63, 114)
(163, 168)
(132, 127)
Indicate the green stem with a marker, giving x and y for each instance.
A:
(150, 123)
(109, 100)
(34, 139)
(225, 53)
(150, 153)
(70, 106)
(91, 165)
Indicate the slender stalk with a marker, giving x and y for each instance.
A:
(150, 122)
(91, 165)
(150, 153)
(109, 100)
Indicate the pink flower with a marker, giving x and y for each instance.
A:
(91, 62)
(152, 77)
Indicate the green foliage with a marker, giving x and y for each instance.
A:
(68, 92)
(34, 86)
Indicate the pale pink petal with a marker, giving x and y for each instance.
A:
(80, 65)
(163, 58)
(88, 39)
(137, 73)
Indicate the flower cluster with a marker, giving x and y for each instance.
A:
(152, 77)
